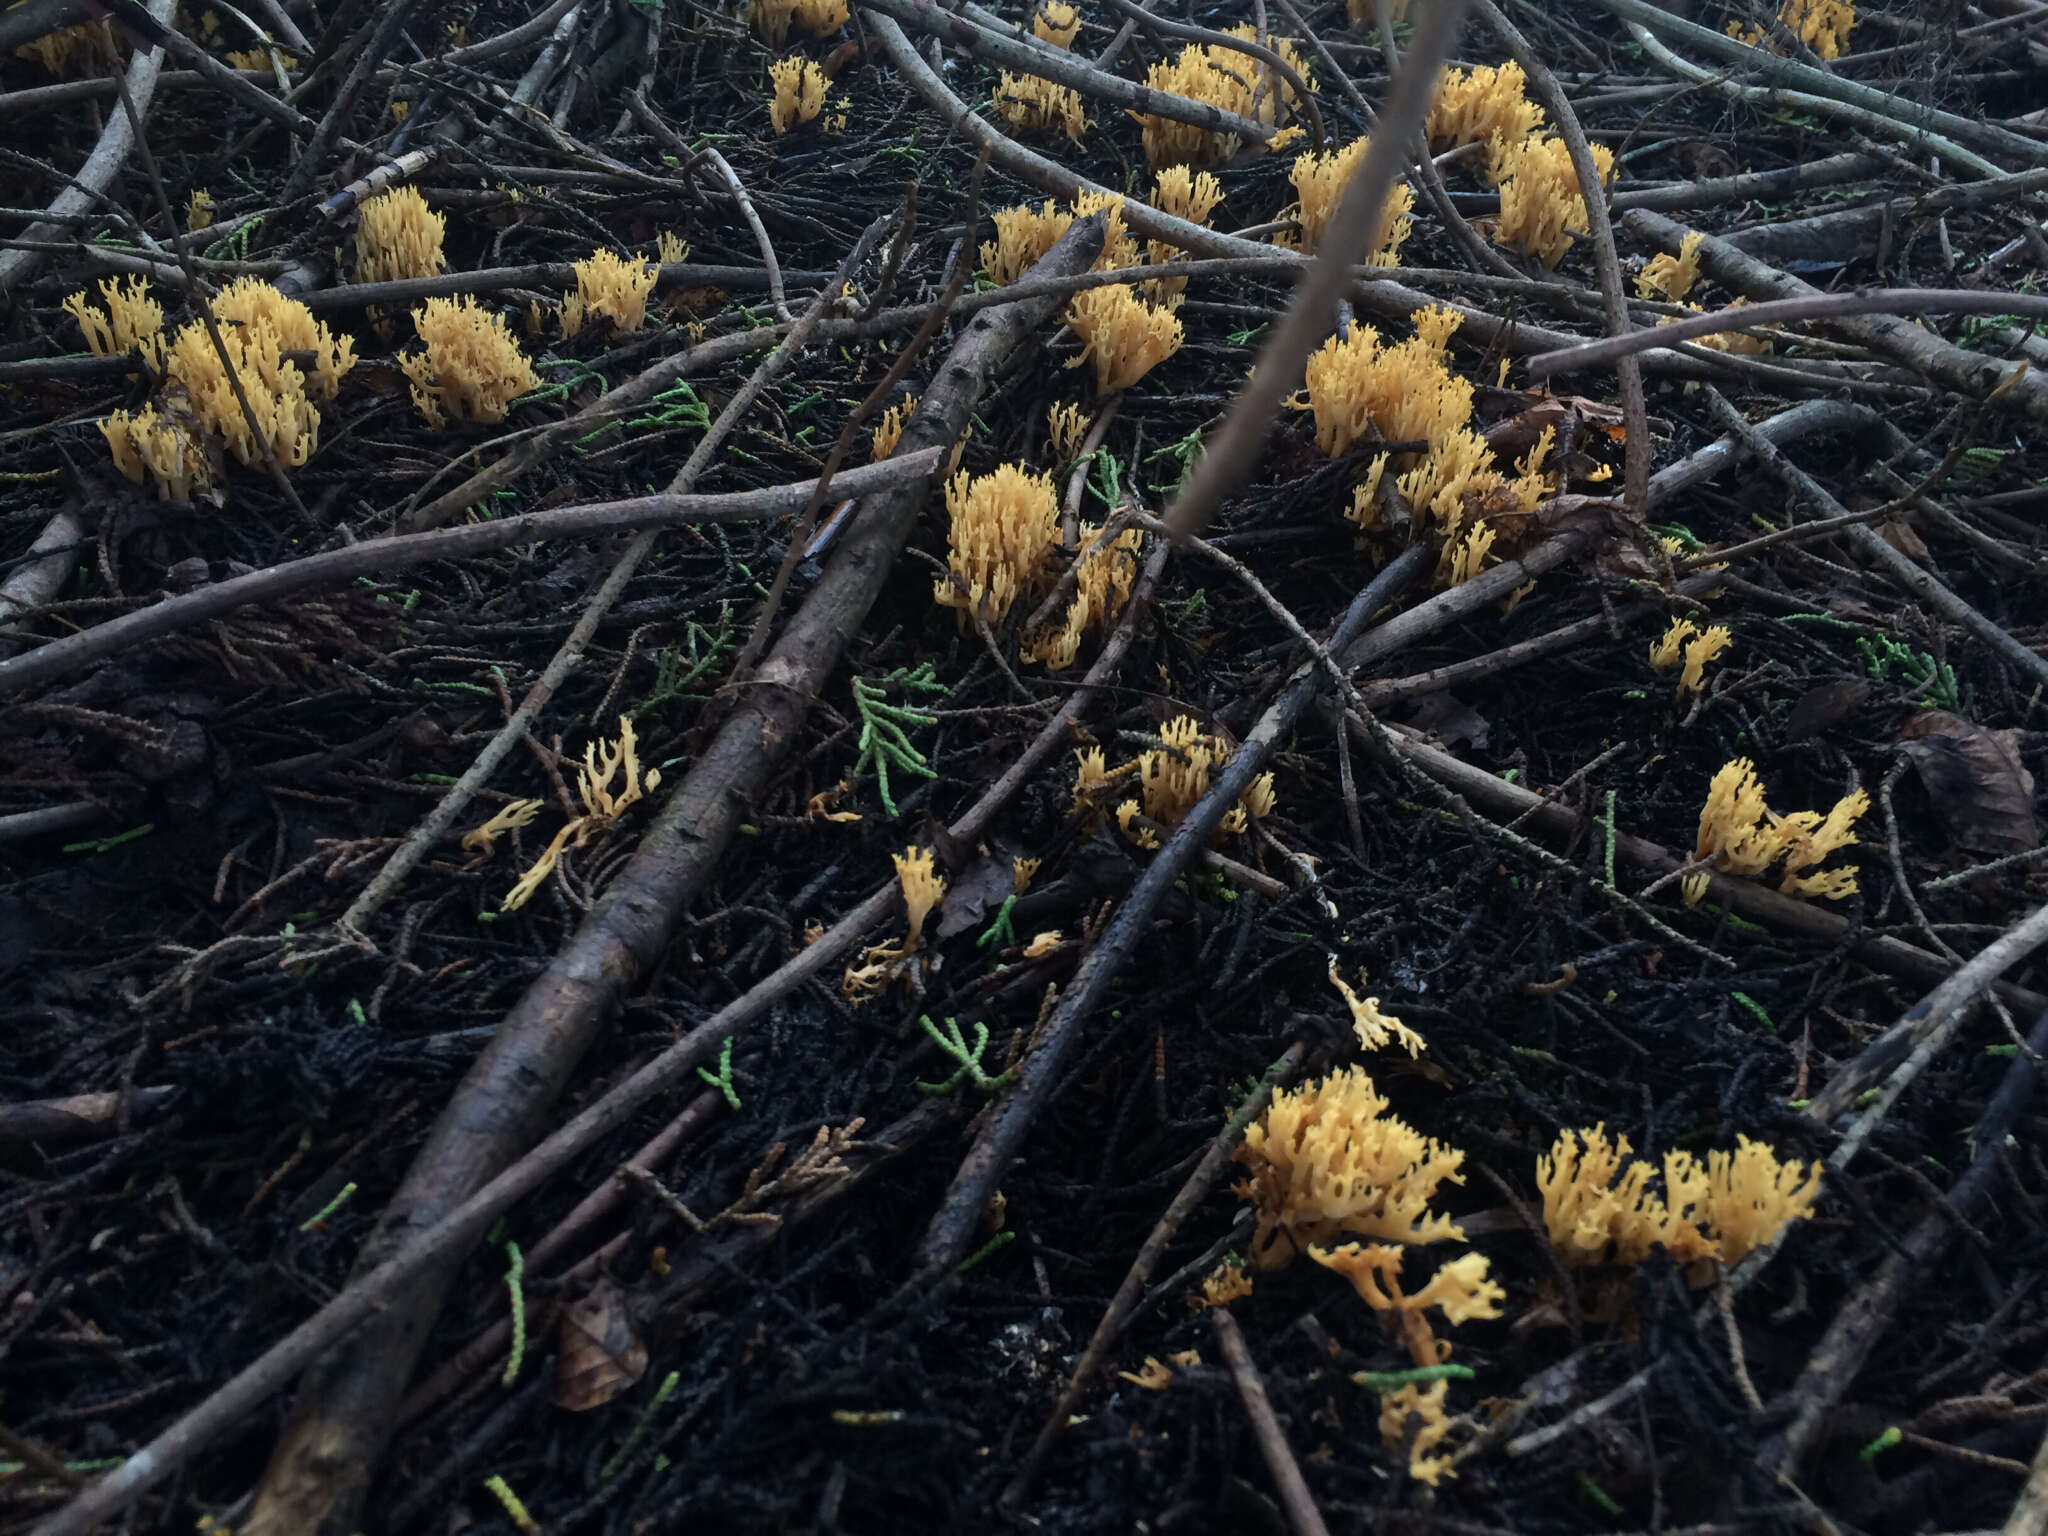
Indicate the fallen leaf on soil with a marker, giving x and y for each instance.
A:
(1828, 705)
(600, 1355)
(1974, 777)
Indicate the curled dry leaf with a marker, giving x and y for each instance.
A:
(1980, 789)
(600, 1353)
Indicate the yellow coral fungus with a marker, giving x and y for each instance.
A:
(613, 286)
(1222, 77)
(1222, 1285)
(1030, 103)
(285, 419)
(1823, 25)
(399, 236)
(772, 19)
(60, 51)
(1600, 1207)
(1461, 1290)
(1024, 234)
(249, 304)
(1739, 834)
(1541, 202)
(1667, 648)
(1712, 641)
(602, 805)
(879, 965)
(1056, 22)
(1471, 106)
(1186, 194)
(889, 427)
(1328, 1162)
(1101, 587)
(259, 59)
(482, 840)
(1375, 1029)
(149, 447)
(798, 93)
(1319, 182)
(1066, 427)
(922, 888)
(1671, 277)
(131, 322)
(471, 369)
(1003, 528)
(1126, 337)
(1173, 776)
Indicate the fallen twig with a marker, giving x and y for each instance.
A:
(371, 557)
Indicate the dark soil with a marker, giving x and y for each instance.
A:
(244, 779)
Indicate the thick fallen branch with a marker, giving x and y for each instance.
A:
(337, 567)
(1972, 373)
(320, 1474)
(1985, 136)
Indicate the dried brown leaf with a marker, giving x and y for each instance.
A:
(600, 1354)
(1980, 789)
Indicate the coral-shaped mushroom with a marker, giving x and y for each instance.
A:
(131, 322)
(611, 286)
(1056, 22)
(1327, 1162)
(1319, 183)
(471, 367)
(797, 92)
(399, 236)
(1541, 203)
(1003, 528)
(1126, 337)
(1471, 106)
(1600, 1207)
(149, 447)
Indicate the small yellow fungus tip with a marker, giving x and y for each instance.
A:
(1600, 1207)
(889, 429)
(922, 888)
(471, 369)
(1056, 22)
(1823, 25)
(603, 804)
(1222, 1285)
(796, 92)
(1665, 276)
(483, 840)
(131, 322)
(771, 19)
(1375, 1029)
(1328, 1162)
(612, 286)
(151, 448)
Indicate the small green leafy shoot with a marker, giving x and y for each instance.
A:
(883, 744)
(954, 1044)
